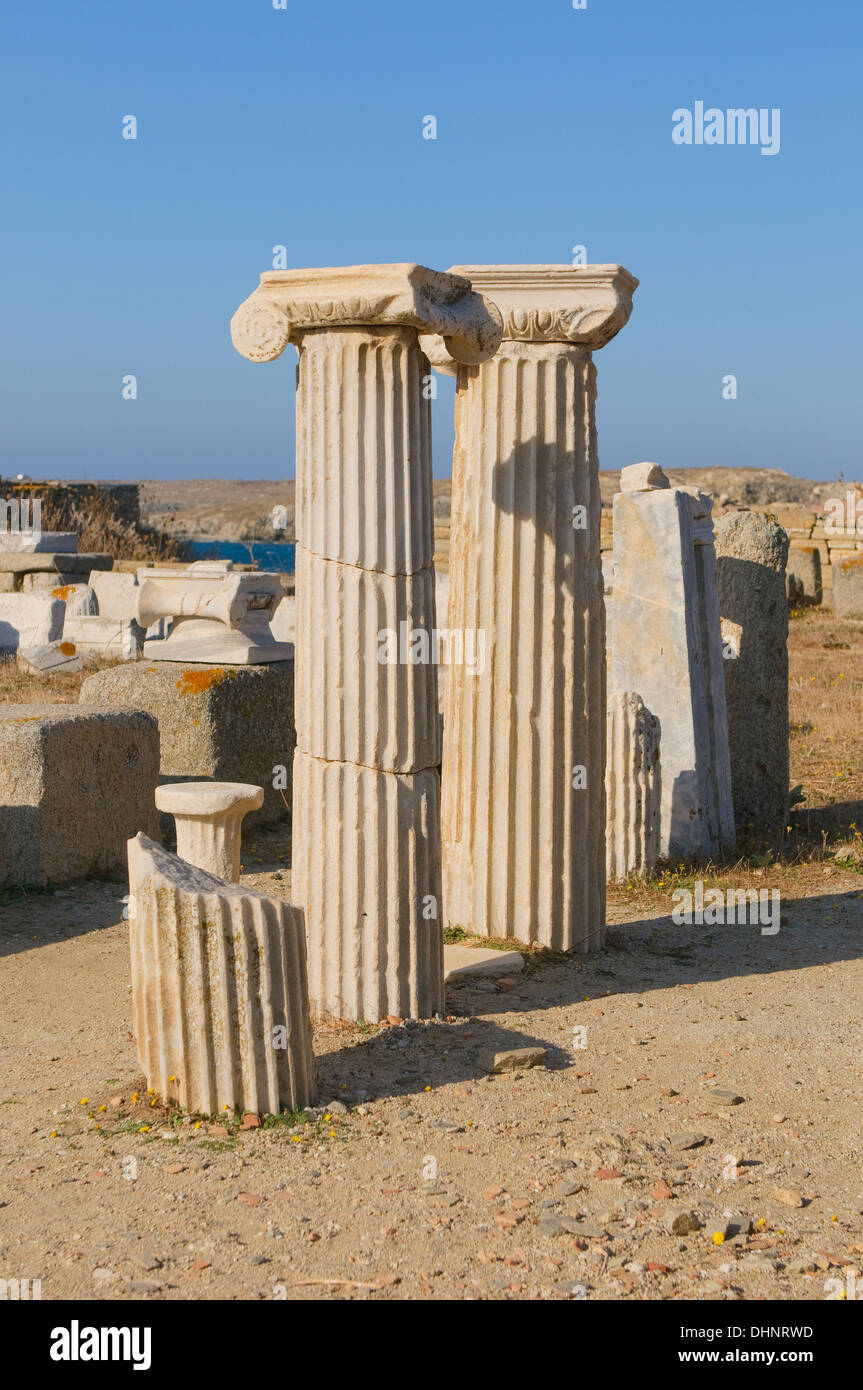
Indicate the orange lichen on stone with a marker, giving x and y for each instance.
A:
(62, 592)
(850, 562)
(197, 682)
(68, 648)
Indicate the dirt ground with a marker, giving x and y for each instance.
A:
(614, 1171)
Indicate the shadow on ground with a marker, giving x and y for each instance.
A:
(649, 954)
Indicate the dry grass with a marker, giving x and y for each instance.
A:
(19, 687)
(101, 531)
(826, 710)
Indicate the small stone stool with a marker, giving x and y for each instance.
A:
(208, 816)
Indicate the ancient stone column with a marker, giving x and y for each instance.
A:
(523, 799)
(665, 642)
(751, 553)
(633, 787)
(208, 817)
(219, 993)
(366, 831)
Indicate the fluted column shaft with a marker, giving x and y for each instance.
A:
(366, 822)
(522, 827)
(219, 993)
(366, 839)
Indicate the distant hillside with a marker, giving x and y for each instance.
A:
(242, 509)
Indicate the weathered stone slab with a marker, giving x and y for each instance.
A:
(665, 643)
(751, 552)
(642, 477)
(80, 600)
(848, 587)
(219, 993)
(60, 561)
(224, 723)
(75, 783)
(36, 542)
(54, 656)
(110, 638)
(804, 567)
(43, 581)
(116, 594)
(29, 620)
(467, 962)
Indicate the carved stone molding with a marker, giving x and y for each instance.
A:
(584, 305)
(290, 302)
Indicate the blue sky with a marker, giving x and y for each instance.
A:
(303, 127)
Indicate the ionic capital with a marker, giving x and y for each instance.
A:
(583, 305)
(288, 302)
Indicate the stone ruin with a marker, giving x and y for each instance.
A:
(523, 743)
(365, 769)
(665, 642)
(219, 992)
(751, 554)
(216, 615)
(42, 581)
(550, 785)
(633, 788)
(803, 581)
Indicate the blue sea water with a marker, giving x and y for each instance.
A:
(273, 555)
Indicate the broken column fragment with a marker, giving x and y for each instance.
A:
(219, 991)
(633, 787)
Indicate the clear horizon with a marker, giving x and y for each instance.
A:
(303, 128)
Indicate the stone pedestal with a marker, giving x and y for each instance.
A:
(219, 992)
(366, 850)
(523, 813)
(665, 642)
(216, 616)
(208, 817)
(751, 554)
(633, 787)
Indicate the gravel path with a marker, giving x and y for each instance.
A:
(424, 1176)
